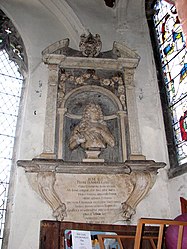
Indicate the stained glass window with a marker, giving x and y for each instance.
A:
(174, 66)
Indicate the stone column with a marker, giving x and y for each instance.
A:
(50, 116)
(61, 112)
(122, 115)
(135, 142)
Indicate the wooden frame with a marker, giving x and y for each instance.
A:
(121, 238)
(162, 223)
(139, 237)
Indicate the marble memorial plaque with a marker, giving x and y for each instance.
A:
(93, 198)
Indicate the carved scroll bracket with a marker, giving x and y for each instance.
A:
(142, 182)
(45, 183)
(50, 180)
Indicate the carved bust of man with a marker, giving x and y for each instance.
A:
(92, 132)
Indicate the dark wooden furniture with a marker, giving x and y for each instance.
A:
(52, 233)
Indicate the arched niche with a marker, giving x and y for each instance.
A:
(71, 112)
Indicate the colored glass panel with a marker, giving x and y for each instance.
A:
(174, 64)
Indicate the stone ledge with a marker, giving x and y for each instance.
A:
(60, 166)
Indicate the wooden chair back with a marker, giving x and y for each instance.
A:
(157, 242)
(122, 238)
(162, 223)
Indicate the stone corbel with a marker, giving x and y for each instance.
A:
(45, 182)
(142, 182)
(48, 178)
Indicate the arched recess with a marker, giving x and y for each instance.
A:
(70, 114)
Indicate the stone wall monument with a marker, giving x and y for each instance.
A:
(91, 168)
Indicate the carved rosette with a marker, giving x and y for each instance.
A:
(90, 77)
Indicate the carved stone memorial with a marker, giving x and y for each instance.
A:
(91, 168)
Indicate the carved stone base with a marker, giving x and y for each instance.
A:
(46, 155)
(93, 156)
(91, 192)
(137, 157)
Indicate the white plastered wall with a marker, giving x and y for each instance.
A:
(42, 23)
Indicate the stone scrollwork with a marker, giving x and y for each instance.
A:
(142, 182)
(46, 181)
(64, 190)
